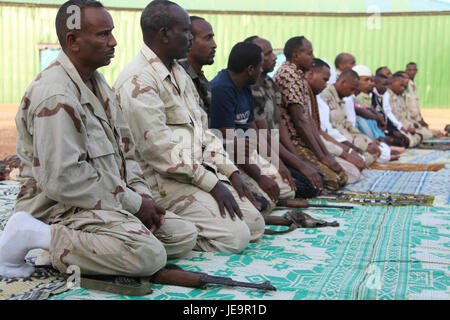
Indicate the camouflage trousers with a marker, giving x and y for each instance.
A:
(333, 180)
(104, 242)
(215, 233)
(361, 141)
(425, 132)
(414, 139)
(268, 169)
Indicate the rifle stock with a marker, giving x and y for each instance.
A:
(180, 278)
(283, 204)
(174, 275)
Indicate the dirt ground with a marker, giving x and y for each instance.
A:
(436, 119)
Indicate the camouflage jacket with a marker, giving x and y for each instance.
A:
(267, 98)
(201, 84)
(412, 102)
(338, 117)
(400, 109)
(171, 131)
(364, 99)
(76, 149)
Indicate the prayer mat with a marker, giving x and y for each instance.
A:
(424, 156)
(406, 166)
(438, 145)
(44, 282)
(376, 253)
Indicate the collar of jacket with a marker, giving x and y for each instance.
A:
(86, 95)
(162, 71)
(335, 93)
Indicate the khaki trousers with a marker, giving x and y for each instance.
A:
(215, 233)
(116, 243)
(271, 171)
(425, 132)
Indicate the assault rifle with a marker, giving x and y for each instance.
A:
(174, 275)
(288, 204)
(171, 274)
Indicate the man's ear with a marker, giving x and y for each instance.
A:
(71, 42)
(164, 34)
(250, 69)
(295, 54)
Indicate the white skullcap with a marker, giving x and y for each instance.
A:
(362, 71)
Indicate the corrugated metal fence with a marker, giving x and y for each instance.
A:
(375, 41)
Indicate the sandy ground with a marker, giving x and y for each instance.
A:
(436, 119)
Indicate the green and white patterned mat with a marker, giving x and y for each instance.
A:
(377, 252)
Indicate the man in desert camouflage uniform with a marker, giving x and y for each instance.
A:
(78, 172)
(333, 95)
(201, 53)
(395, 98)
(184, 163)
(412, 102)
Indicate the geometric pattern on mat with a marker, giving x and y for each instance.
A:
(419, 182)
(377, 252)
(44, 282)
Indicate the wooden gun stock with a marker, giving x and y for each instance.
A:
(283, 204)
(174, 275)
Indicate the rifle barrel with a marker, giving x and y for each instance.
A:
(313, 205)
(206, 278)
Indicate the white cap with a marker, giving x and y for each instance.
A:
(362, 71)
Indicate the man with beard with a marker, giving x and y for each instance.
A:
(232, 113)
(368, 120)
(381, 85)
(408, 138)
(184, 162)
(346, 85)
(394, 100)
(79, 179)
(296, 112)
(318, 76)
(202, 53)
(412, 102)
(267, 100)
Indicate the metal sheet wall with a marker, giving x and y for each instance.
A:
(391, 41)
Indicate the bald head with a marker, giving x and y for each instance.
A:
(158, 14)
(203, 47)
(71, 18)
(269, 57)
(348, 75)
(384, 71)
(166, 28)
(344, 61)
(260, 41)
(347, 83)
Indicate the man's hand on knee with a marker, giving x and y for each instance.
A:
(242, 189)
(151, 214)
(225, 199)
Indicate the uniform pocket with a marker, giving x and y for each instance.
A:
(177, 115)
(99, 147)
